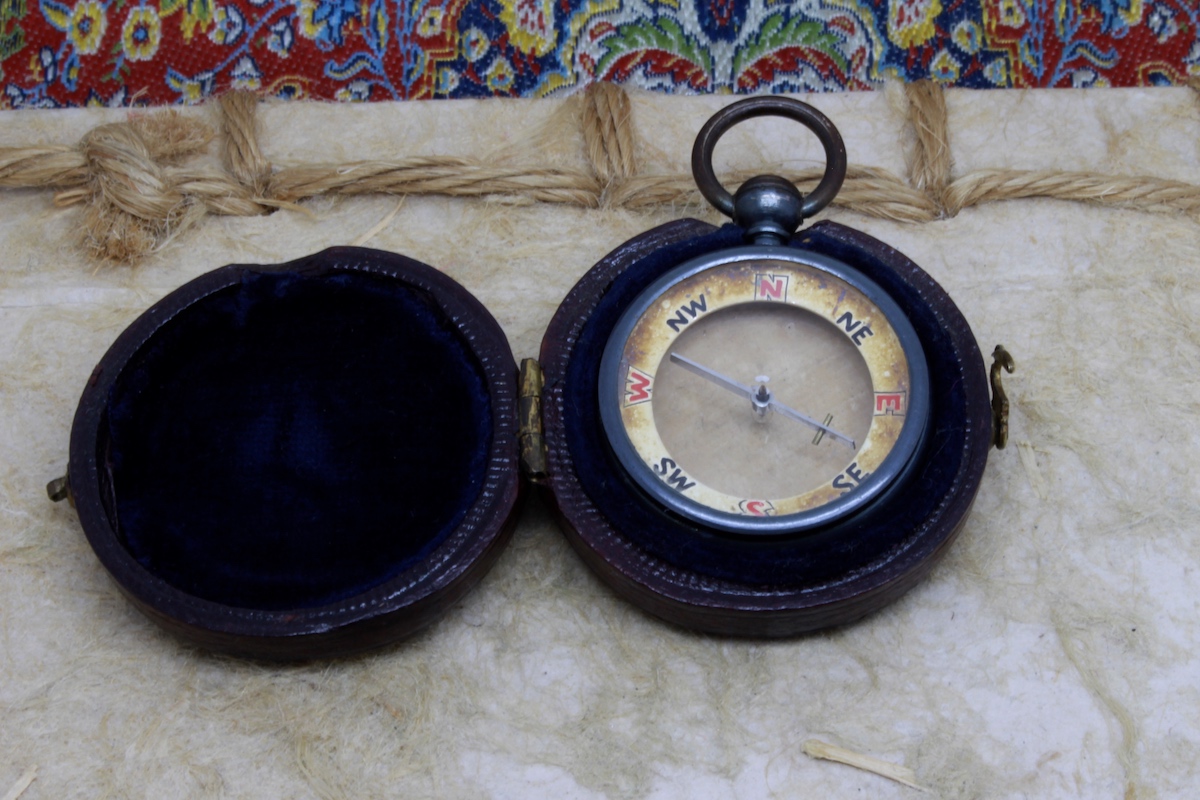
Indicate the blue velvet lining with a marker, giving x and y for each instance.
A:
(805, 560)
(296, 439)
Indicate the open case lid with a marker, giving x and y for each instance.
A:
(301, 460)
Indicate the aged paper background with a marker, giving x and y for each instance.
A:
(1052, 653)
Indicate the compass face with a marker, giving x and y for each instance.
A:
(764, 391)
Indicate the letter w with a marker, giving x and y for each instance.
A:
(637, 387)
(680, 481)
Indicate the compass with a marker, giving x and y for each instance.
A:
(764, 392)
(757, 429)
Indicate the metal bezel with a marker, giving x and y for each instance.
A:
(893, 467)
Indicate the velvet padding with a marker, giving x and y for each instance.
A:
(295, 438)
(806, 560)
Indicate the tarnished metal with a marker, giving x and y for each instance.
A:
(769, 208)
(533, 444)
(59, 489)
(769, 106)
(1001, 360)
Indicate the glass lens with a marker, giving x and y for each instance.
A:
(720, 438)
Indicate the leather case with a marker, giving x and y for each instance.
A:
(319, 457)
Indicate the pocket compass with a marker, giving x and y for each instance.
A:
(764, 392)
(755, 431)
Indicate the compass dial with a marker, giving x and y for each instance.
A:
(761, 393)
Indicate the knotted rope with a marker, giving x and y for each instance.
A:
(139, 193)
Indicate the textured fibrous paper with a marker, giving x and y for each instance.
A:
(1051, 654)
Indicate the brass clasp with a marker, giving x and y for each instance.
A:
(1001, 359)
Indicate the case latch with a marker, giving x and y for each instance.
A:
(533, 443)
(1001, 360)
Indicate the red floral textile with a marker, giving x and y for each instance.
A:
(114, 52)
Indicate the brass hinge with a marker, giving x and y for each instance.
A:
(533, 443)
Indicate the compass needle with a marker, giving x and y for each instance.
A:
(712, 375)
(807, 420)
(760, 397)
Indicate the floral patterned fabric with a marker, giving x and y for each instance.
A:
(118, 52)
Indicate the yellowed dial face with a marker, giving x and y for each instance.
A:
(758, 387)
